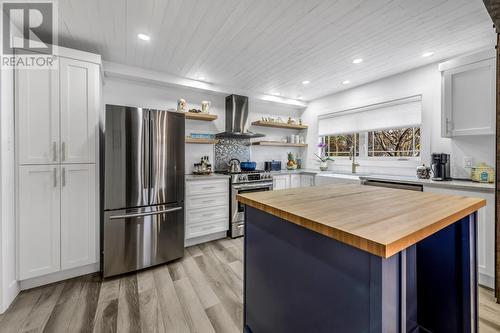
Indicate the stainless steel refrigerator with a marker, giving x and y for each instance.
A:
(143, 188)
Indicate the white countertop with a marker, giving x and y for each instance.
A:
(206, 177)
(457, 184)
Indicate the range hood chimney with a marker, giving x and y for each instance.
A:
(236, 119)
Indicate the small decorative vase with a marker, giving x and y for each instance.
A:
(323, 166)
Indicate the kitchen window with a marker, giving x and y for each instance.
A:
(399, 143)
(341, 145)
(394, 142)
(381, 131)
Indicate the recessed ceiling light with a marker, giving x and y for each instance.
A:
(143, 37)
(275, 93)
(306, 82)
(346, 82)
(299, 97)
(201, 78)
(357, 61)
(427, 54)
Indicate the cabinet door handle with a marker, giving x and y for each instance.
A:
(55, 177)
(54, 150)
(63, 176)
(63, 151)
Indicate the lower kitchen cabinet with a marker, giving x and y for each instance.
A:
(294, 180)
(281, 182)
(307, 180)
(284, 181)
(485, 231)
(57, 218)
(78, 215)
(207, 210)
(39, 213)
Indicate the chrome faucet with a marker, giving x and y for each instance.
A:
(352, 156)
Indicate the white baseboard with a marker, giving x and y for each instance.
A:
(59, 276)
(486, 280)
(9, 295)
(204, 239)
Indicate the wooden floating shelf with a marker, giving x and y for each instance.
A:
(202, 141)
(278, 144)
(201, 116)
(278, 125)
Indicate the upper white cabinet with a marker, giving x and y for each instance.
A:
(37, 110)
(38, 211)
(468, 95)
(79, 96)
(57, 112)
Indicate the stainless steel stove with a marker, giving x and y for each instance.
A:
(245, 182)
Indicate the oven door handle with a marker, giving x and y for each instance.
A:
(250, 187)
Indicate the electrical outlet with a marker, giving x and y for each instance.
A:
(468, 162)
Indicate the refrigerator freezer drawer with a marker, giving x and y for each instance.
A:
(135, 239)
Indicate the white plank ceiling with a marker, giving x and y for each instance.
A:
(273, 45)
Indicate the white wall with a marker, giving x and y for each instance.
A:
(134, 93)
(425, 81)
(8, 284)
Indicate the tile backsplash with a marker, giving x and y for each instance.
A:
(228, 148)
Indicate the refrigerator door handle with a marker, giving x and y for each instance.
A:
(164, 211)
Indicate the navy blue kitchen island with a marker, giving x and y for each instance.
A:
(352, 258)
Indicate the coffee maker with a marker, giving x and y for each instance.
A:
(440, 165)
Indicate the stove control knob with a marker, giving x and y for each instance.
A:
(241, 177)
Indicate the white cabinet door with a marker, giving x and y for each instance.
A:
(294, 181)
(78, 215)
(469, 99)
(39, 220)
(37, 116)
(306, 180)
(79, 110)
(281, 182)
(485, 232)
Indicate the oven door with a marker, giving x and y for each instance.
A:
(237, 208)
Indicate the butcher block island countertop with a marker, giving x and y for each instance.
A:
(381, 221)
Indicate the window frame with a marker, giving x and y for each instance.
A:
(363, 153)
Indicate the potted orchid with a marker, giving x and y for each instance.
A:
(322, 158)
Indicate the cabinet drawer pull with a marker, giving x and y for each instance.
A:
(63, 176)
(207, 187)
(208, 214)
(55, 177)
(63, 151)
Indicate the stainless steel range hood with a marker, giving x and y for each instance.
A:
(236, 119)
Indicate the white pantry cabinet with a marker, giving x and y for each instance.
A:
(39, 220)
(78, 215)
(485, 231)
(468, 95)
(57, 114)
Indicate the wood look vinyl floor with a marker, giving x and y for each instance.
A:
(202, 293)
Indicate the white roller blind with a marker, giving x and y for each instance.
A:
(406, 112)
